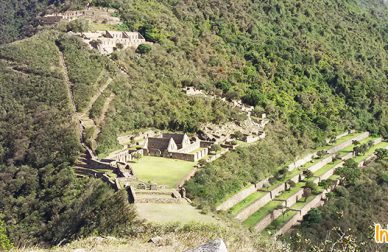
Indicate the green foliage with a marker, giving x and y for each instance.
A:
(48, 205)
(228, 174)
(347, 217)
(313, 187)
(5, 243)
(78, 25)
(314, 216)
(349, 172)
(143, 49)
(381, 153)
(36, 125)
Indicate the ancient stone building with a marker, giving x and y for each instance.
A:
(177, 146)
(97, 15)
(108, 41)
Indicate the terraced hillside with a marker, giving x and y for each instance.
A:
(275, 208)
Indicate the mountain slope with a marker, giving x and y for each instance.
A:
(316, 69)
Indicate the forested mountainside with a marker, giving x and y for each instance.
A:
(316, 68)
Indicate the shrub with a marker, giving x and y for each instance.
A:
(143, 49)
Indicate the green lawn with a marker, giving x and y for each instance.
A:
(171, 213)
(286, 194)
(246, 202)
(326, 168)
(279, 222)
(261, 213)
(163, 171)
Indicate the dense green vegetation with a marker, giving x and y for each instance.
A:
(41, 200)
(346, 220)
(239, 168)
(315, 67)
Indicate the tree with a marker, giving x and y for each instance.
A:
(349, 172)
(306, 193)
(224, 85)
(78, 25)
(215, 148)
(238, 135)
(308, 173)
(95, 43)
(143, 49)
(291, 183)
(313, 187)
(314, 216)
(381, 153)
(5, 243)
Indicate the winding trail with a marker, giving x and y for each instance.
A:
(69, 85)
(96, 96)
(105, 109)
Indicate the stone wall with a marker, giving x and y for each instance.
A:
(317, 201)
(301, 162)
(348, 143)
(206, 144)
(267, 220)
(229, 203)
(248, 211)
(321, 163)
(247, 191)
(294, 198)
(190, 148)
(237, 198)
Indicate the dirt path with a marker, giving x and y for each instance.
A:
(69, 85)
(96, 96)
(105, 109)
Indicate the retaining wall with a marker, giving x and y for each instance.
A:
(294, 198)
(237, 198)
(301, 162)
(246, 192)
(248, 211)
(317, 201)
(348, 143)
(267, 220)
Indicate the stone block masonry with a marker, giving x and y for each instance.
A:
(246, 192)
(248, 211)
(316, 202)
(348, 143)
(241, 195)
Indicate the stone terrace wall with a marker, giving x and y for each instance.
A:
(246, 192)
(248, 211)
(317, 201)
(301, 162)
(321, 163)
(348, 143)
(267, 220)
(294, 198)
(190, 148)
(241, 195)
(183, 156)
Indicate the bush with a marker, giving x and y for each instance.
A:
(78, 25)
(143, 49)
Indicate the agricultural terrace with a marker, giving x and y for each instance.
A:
(163, 171)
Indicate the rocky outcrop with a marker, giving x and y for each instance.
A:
(217, 245)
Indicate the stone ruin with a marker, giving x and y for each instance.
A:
(177, 146)
(97, 15)
(252, 128)
(107, 42)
